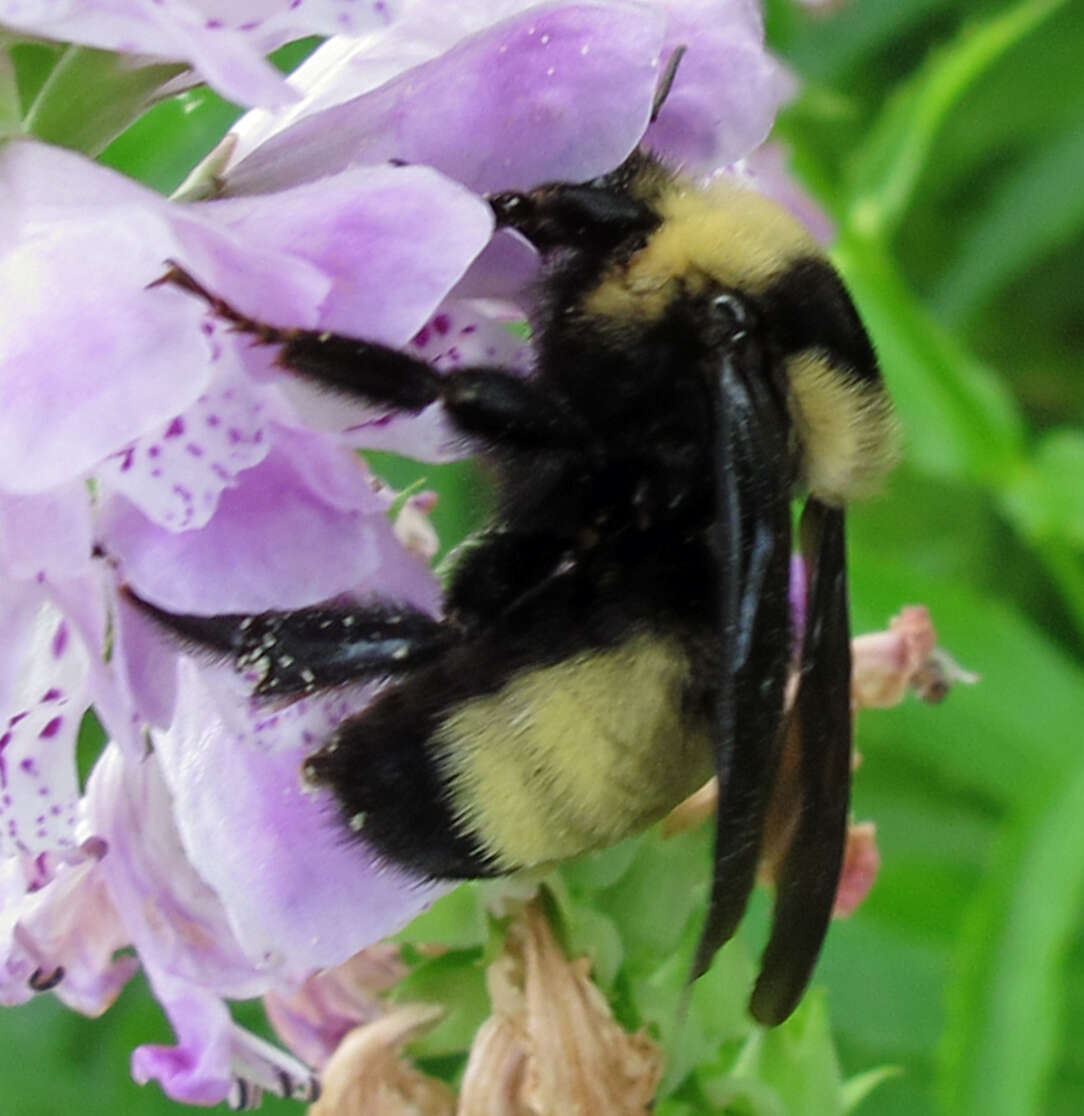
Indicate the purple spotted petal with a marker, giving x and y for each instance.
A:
(224, 43)
(175, 474)
(66, 308)
(560, 92)
(89, 359)
(62, 927)
(39, 791)
(274, 542)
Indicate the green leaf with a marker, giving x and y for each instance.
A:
(654, 900)
(959, 420)
(160, 147)
(10, 107)
(831, 47)
(455, 980)
(1047, 499)
(797, 1061)
(891, 162)
(857, 1088)
(600, 869)
(1007, 1001)
(455, 920)
(1036, 208)
(595, 936)
(91, 96)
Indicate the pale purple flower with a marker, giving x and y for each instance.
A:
(224, 41)
(143, 443)
(515, 93)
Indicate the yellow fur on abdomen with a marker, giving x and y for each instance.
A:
(574, 756)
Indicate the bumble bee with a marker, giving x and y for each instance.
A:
(621, 629)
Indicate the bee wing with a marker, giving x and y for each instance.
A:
(753, 543)
(809, 874)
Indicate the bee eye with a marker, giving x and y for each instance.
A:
(732, 314)
(510, 208)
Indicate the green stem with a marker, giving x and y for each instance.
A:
(896, 156)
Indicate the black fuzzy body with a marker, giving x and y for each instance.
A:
(698, 362)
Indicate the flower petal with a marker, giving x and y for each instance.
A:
(39, 791)
(727, 88)
(297, 894)
(224, 43)
(559, 92)
(66, 307)
(393, 240)
(176, 474)
(276, 541)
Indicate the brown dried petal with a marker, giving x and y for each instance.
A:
(367, 1077)
(552, 1047)
(493, 1082)
(885, 662)
(581, 1062)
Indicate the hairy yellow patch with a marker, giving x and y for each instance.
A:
(575, 756)
(726, 234)
(849, 435)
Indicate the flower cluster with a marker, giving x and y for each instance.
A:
(143, 445)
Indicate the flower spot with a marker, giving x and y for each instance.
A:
(60, 640)
(52, 727)
(175, 428)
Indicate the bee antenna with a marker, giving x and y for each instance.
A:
(667, 80)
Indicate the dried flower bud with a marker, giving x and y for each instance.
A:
(552, 1045)
(861, 862)
(367, 1077)
(888, 664)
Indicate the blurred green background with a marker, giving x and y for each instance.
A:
(946, 139)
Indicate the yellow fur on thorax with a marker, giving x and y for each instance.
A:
(574, 756)
(724, 234)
